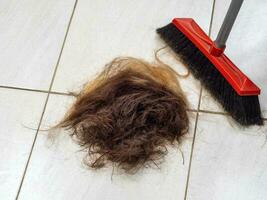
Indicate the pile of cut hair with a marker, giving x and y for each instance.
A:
(128, 115)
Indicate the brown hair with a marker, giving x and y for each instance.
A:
(128, 114)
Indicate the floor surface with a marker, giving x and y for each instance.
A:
(49, 48)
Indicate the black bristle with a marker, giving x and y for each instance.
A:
(244, 109)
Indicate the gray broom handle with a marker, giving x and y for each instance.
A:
(228, 23)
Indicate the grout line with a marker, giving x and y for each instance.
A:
(35, 90)
(192, 146)
(24, 89)
(62, 93)
(47, 98)
(72, 95)
(212, 15)
(197, 115)
(213, 112)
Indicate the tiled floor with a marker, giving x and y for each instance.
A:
(51, 47)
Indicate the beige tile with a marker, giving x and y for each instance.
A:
(56, 171)
(246, 46)
(20, 115)
(31, 37)
(228, 162)
(105, 29)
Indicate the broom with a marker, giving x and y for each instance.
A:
(205, 59)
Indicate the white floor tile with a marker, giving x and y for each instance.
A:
(105, 29)
(31, 37)
(246, 46)
(19, 110)
(208, 103)
(56, 171)
(228, 162)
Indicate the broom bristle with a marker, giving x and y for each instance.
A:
(244, 109)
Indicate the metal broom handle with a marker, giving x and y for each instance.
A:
(228, 23)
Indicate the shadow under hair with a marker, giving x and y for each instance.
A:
(128, 114)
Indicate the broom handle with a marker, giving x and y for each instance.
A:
(228, 23)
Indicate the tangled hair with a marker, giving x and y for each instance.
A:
(128, 114)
